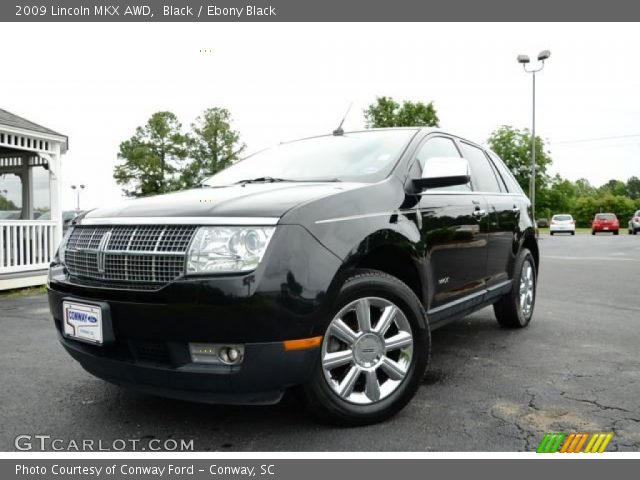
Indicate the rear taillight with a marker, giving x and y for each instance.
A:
(573, 221)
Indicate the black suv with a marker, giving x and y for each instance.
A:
(322, 264)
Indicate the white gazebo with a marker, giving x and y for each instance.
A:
(28, 238)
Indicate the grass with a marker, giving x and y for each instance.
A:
(23, 292)
(582, 231)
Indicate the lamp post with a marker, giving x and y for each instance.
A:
(77, 188)
(524, 60)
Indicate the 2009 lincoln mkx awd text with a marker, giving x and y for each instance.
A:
(322, 264)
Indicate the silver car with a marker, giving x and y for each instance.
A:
(634, 224)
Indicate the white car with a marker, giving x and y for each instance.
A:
(634, 224)
(562, 223)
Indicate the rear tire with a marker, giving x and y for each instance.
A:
(515, 309)
(616, 232)
(551, 233)
(357, 379)
(592, 232)
(573, 233)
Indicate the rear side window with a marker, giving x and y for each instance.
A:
(512, 184)
(482, 176)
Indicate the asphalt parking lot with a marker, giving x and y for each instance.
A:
(576, 368)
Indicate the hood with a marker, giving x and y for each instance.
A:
(249, 200)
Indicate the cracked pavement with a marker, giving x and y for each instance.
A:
(576, 368)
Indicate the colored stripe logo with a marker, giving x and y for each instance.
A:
(557, 442)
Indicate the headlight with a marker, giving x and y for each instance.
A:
(227, 249)
(63, 245)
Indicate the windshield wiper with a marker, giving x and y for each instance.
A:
(274, 180)
(263, 180)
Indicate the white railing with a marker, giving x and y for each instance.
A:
(26, 245)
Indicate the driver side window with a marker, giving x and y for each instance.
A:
(439, 147)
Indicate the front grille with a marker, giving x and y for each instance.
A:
(143, 257)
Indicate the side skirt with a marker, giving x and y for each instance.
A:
(449, 312)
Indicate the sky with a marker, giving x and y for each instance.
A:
(97, 82)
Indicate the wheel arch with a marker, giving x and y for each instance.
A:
(529, 242)
(396, 262)
(392, 252)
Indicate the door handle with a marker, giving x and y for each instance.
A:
(515, 209)
(479, 212)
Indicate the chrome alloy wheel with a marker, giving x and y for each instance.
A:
(367, 350)
(527, 288)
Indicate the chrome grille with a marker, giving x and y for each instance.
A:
(132, 257)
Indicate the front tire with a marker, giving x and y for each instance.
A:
(374, 353)
(515, 309)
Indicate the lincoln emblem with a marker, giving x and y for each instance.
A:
(104, 241)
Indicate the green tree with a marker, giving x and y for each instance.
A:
(213, 146)
(633, 188)
(386, 112)
(152, 157)
(614, 187)
(558, 197)
(583, 200)
(584, 188)
(514, 147)
(6, 204)
(585, 208)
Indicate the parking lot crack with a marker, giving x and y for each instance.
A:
(532, 399)
(523, 434)
(595, 403)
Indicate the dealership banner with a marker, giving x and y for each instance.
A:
(315, 469)
(312, 11)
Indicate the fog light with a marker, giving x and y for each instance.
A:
(230, 355)
(216, 354)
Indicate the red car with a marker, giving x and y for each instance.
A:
(605, 222)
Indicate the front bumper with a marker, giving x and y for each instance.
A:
(265, 374)
(290, 296)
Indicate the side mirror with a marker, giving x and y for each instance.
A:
(443, 172)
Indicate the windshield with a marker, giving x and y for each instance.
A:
(367, 156)
(562, 218)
